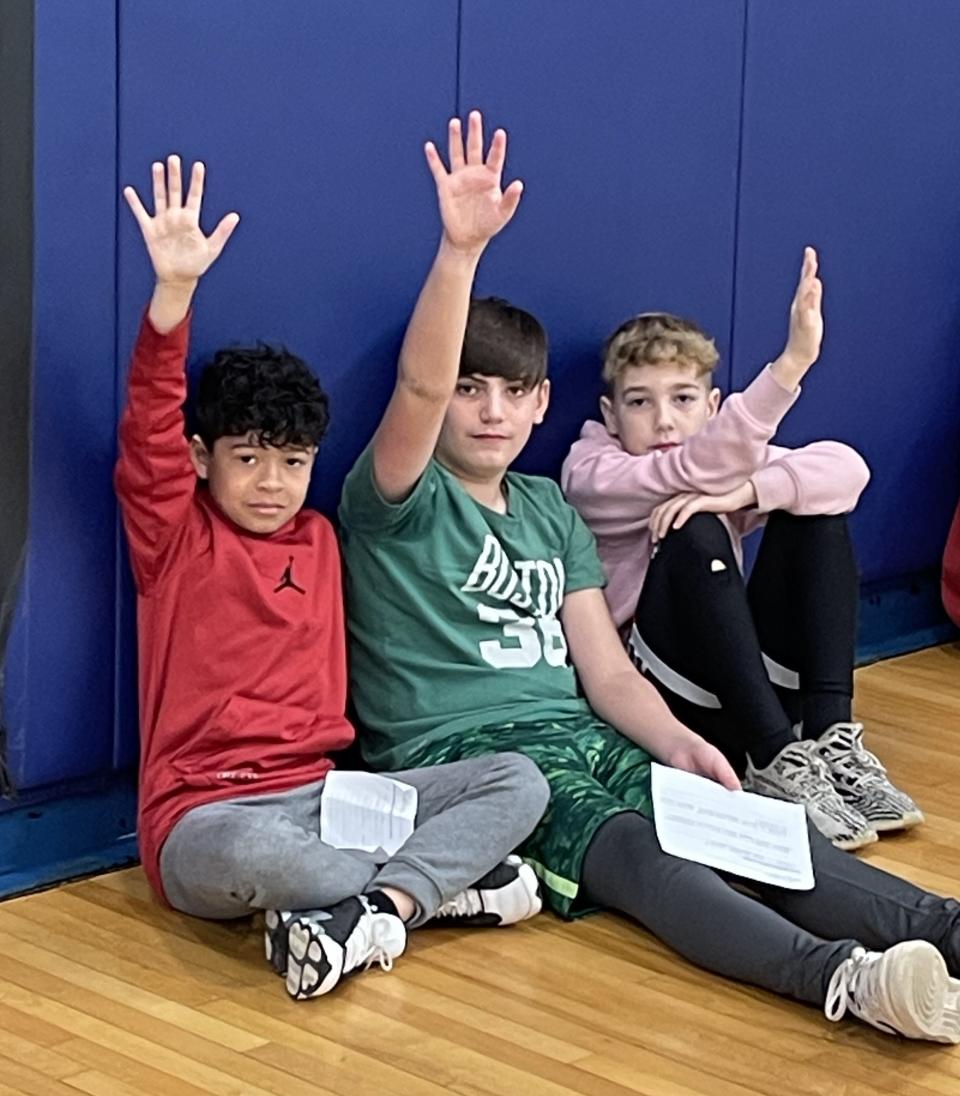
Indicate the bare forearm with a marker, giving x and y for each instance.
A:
(630, 703)
(169, 304)
(430, 355)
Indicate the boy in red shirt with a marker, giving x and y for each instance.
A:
(242, 659)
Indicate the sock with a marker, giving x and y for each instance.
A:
(764, 750)
(381, 903)
(822, 710)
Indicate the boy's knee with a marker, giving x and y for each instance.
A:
(701, 537)
(704, 531)
(526, 782)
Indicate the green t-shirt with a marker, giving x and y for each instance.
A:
(452, 607)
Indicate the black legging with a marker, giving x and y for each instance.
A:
(786, 941)
(696, 615)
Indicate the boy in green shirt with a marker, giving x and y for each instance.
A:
(474, 593)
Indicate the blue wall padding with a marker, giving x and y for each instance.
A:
(311, 119)
(624, 125)
(850, 143)
(60, 659)
(676, 156)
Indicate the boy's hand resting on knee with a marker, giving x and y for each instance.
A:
(806, 326)
(178, 249)
(676, 512)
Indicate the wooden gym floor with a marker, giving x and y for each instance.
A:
(101, 991)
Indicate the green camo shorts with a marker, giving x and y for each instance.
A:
(593, 773)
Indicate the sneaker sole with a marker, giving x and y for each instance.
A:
(907, 822)
(858, 841)
(929, 997)
(314, 963)
(273, 949)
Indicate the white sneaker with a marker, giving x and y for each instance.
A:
(508, 893)
(799, 775)
(904, 990)
(328, 944)
(862, 781)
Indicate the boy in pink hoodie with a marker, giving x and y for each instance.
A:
(669, 484)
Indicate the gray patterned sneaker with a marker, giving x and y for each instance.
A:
(862, 781)
(328, 944)
(508, 893)
(904, 990)
(799, 775)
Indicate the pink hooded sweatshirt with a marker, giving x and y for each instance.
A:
(615, 491)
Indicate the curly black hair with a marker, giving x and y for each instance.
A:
(264, 390)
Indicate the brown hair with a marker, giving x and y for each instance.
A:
(503, 341)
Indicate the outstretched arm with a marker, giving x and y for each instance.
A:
(473, 209)
(154, 477)
(619, 693)
(178, 249)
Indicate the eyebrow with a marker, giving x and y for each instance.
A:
(257, 445)
(483, 380)
(642, 390)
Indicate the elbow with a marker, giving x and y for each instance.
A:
(423, 391)
(856, 476)
(862, 474)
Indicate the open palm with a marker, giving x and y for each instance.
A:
(178, 249)
(473, 208)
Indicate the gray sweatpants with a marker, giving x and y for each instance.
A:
(230, 858)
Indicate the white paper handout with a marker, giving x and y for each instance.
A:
(748, 835)
(366, 811)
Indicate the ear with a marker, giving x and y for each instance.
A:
(609, 419)
(199, 457)
(543, 402)
(713, 402)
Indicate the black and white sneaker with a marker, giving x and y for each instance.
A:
(862, 781)
(328, 944)
(508, 893)
(799, 775)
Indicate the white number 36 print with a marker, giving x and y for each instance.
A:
(526, 640)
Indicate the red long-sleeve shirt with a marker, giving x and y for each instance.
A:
(241, 636)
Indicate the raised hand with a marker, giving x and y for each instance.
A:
(806, 325)
(473, 208)
(806, 316)
(676, 512)
(177, 247)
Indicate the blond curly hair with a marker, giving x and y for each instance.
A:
(657, 338)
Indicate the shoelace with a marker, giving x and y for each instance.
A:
(811, 773)
(853, 983)
(363, 945)
(464, 904)
(859, 765)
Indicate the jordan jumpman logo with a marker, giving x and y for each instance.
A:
(287, 580)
